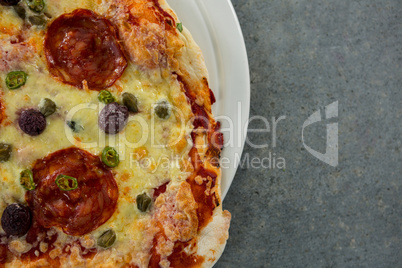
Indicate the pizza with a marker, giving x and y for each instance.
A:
(109, 152)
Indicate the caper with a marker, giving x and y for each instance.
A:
(162, 110)
(21, 12)
(47, 107)
(143, 202)
(130, 101)
(5, 152)
(75, 127)
(107, 239)
(36, 5)
(37, 20)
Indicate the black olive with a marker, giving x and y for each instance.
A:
(32, 122)
(9, 2)
(113, 118)
(16, 219)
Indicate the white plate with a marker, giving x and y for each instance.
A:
(216, 29)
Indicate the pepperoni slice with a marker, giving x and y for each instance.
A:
(78, 211)
(83, 46)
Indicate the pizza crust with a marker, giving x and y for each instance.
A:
(214, 236)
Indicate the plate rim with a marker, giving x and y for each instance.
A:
(215, 27)
(228, 175)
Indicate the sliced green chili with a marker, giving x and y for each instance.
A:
(179, 26)
(66, 183)
(26, 180)
(110, 157)
(106, 97)
(16, 79)
(36, 5)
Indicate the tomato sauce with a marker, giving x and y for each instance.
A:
(160, 190)
(206, 203)
(2, 109)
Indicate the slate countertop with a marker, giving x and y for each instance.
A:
(303, 56)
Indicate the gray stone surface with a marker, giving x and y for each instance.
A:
(304, 55)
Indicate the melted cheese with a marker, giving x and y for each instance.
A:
(151, 150)
(9, 21)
